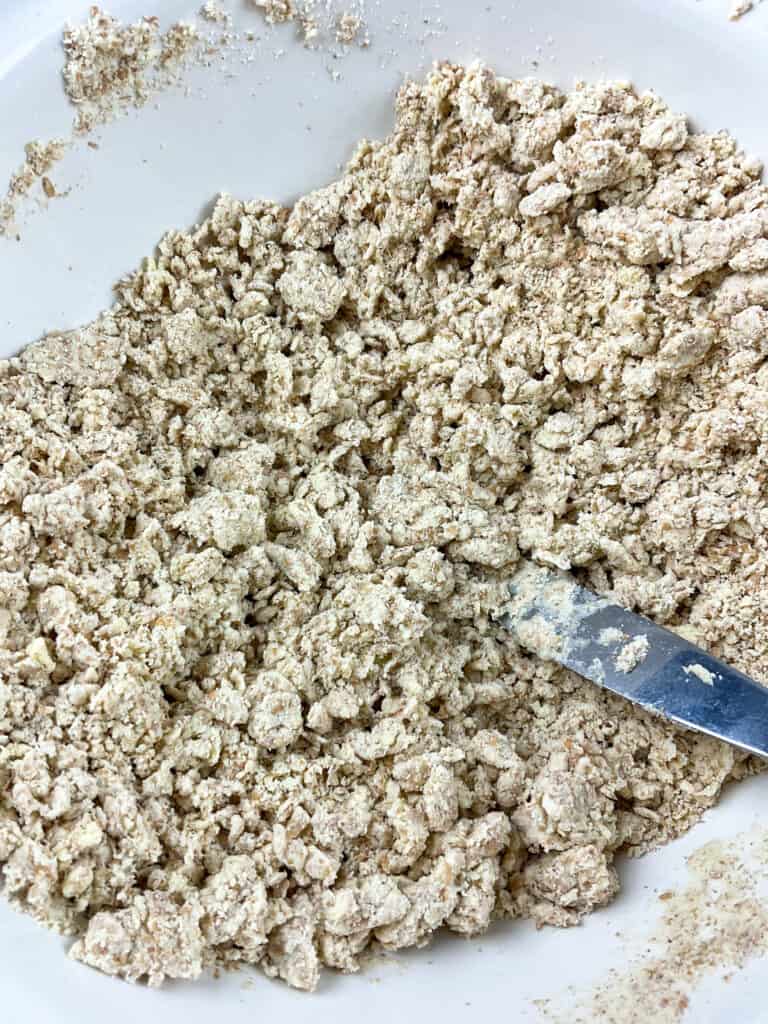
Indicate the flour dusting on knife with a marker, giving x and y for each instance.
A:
(555, 618)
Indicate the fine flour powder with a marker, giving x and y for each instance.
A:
(255, 520)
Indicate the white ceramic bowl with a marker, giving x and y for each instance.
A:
(280, 127)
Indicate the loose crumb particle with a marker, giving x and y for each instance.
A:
(739, 8)
(347, 27)
(609, 636)
(276, 12)
(212, 11)
(701, 673)
(632, 654)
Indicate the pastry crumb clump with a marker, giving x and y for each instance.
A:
(255, 520)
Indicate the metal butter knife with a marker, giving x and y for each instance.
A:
(551, 615)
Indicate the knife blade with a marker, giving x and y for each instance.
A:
(550, 614)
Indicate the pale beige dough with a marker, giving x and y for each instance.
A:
(255, 519)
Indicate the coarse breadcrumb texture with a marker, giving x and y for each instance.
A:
(254, 521)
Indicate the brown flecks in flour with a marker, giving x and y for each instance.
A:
(256, 518)
(717, 923)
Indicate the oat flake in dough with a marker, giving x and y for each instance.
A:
(254, 520)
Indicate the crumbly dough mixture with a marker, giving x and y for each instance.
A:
(348, 26)
(255, 519)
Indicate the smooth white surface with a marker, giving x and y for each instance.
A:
(279, 127)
